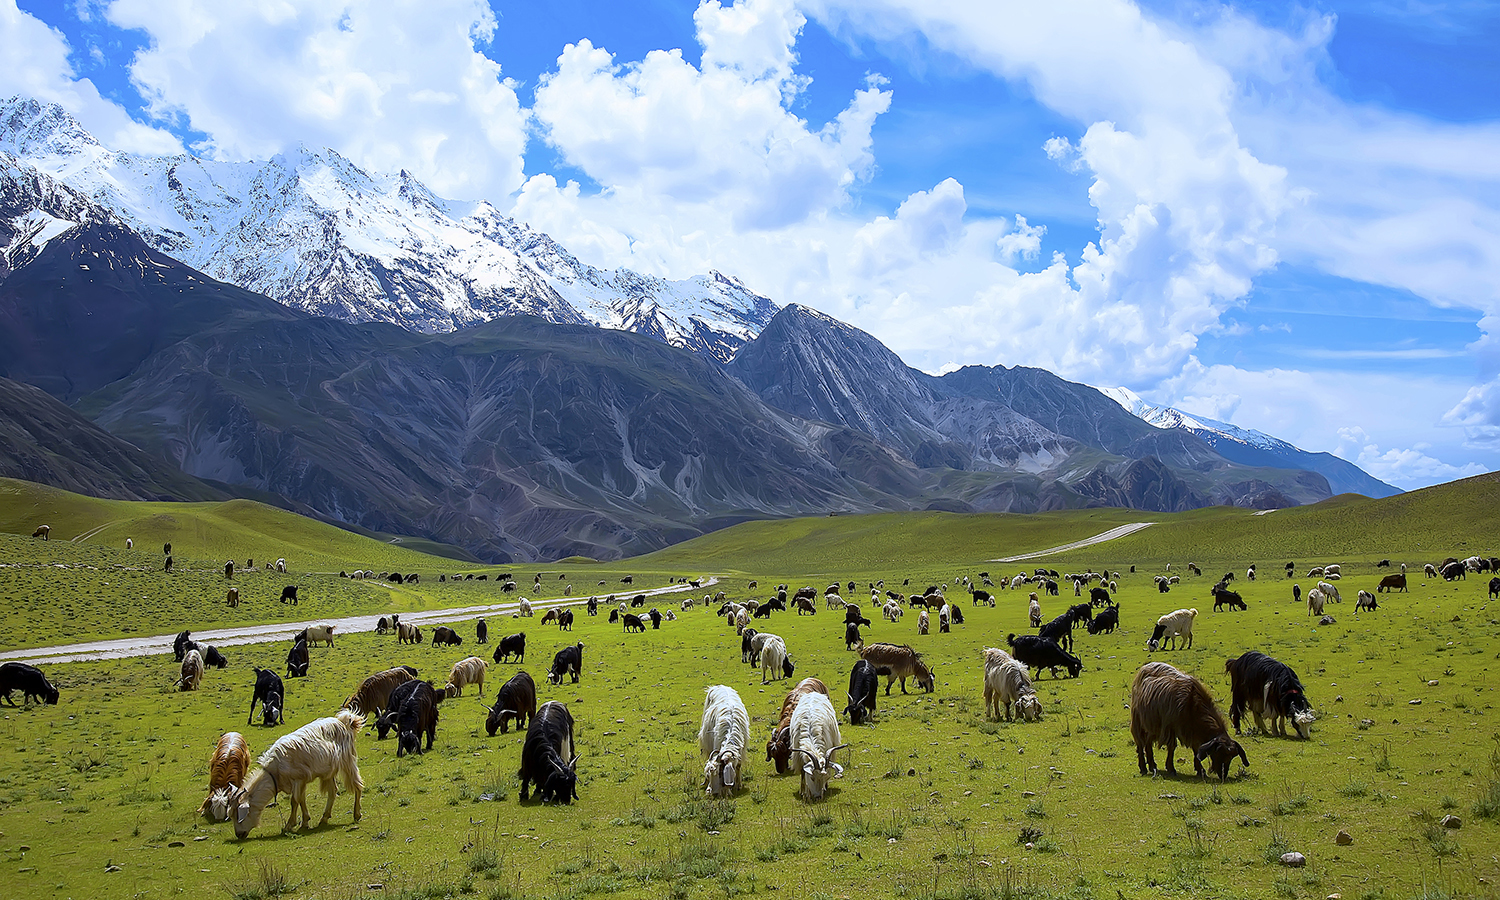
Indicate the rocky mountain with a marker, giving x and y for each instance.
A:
(1254, 448)
(1055, 443)
(314, 231)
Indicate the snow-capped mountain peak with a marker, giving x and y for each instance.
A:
(1171, 417)
(315, 231)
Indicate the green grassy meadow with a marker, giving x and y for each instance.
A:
(937, 802)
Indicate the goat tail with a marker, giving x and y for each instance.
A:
(351, 720)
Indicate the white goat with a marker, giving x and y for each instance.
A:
(192, 671)
(772, 657)
(1173, 625)
(722, 739)
(1036, 611)
(1315, 602)
(523, 606)
(1330, 592)
(923, 622)
(467, 671)
(321, 750)
(1006, 682)
(815, 738)
(281, 566)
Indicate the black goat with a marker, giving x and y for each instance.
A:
(1105, 622)
(1039, 652)
(29, 680)
(418, 715)
(297, 660)
(516, 700)
(863, 685)
(568, 661)
(633, 622)
(1267, 687)
(547, 756)
(270, 694)
(1228, 598)
(481, 632)
(445, 636)
(511, 646)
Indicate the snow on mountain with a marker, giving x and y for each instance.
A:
(313, 230)
(1254, 448)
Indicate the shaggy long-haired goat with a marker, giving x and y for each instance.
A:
(321, 750)
(226, 775)
(1168, 707)
(722, 738)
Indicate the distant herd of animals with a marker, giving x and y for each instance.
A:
(1167, 706)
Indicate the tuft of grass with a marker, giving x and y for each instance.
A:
(266, 881)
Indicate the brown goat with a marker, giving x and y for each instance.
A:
(374, 692)
(226, 774)
(779, 747)
(1167, 707)
(901, 662)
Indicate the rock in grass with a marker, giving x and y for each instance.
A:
(1453, 822)
(1343, 838)
(1293, 860)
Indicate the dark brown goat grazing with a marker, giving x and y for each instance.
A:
(1168, 707)
(516, 700)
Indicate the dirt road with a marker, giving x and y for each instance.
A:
(1109, 535)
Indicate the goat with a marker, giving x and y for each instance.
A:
(779, 747)
(180, 645)
(29, 680)
(1060, 629)
(227, 768)
(516, 700)
(547, 756)
(1267, 688)
(1005, 684)
(192, 671)
(633, 623)
(1366, 600)
(1170, 627)
(232, 598)
(43, 531)
(864, 682)
(568, 661)
(1330, 592)
(1106, 621)
(511, 646)
(1168, 707)
(851, 636)
(270, 694)
(481, 632)
(722, 738)
(816, 738)
(322, 749)
(318, 634)
(774, 661)
(901, 662)
(1039, 653)
(443, 636)
(1315, 602)
(1035, 611)
(373, 694)
(467, 671)
(297, 660)
(1228, 598)
(288, 594)
(417, 715)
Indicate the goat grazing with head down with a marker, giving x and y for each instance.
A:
(1268, 688)
(722, 740)
(815, 739)
(779, 747)
(547, 756)
(226, 775)
(1007, 683)
(1168, 707)
(516, 700)
(321, 750)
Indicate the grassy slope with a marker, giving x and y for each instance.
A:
(115, 772)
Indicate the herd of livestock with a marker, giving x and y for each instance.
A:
(1167, 706)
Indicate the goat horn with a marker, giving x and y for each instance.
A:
(839, 747)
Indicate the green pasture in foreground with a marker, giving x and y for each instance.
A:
(937, 802)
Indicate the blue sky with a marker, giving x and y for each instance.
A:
(1282, 216)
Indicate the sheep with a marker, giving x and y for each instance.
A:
(1315, 602)
(1170, 627)
(1267, 688)
(774, 662)
(516, 700)
(1366, 600)
(779, 747)
(923, 623)
(322, 749)
(901, 662)
(547, 756)
(43, 531)
(270, 694)
(192, 671)
(1168, 706)
(315, 634)
(1005, 684)
(407, 633)
(863, 684)
(523, 607)
(29, 680)
(722, 738)
(1332, 570)
(816, 738)
(467, 671)
(1330, 592)
(227, 768)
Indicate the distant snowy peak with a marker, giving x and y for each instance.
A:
(1169, 417)
(315, 231)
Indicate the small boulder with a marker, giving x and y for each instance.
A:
(1343, 838)
(1327, 620)
(1416, 702)
(1453, 822)
(1293, 860)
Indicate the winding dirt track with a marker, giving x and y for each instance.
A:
(1109, 535)
(281, 631)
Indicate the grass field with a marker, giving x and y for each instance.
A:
(937, 801)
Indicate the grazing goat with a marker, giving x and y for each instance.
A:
(512, 648)
(547, 756)
(417, 715)
(407, 633)
(1006, 683)
(722, 738)
(1315, 602)
(633, 623)
(1106, 621)
(318, 634)
(181, 644)
(523, 607)
(1060, 629)
(1039, 653)
(1035, 611)
(1268, 688)
(516, 700)
(1330, 592)
(289, 594)
(774, 662)
(901, 662)
(43, 531)
(1228, 598)
(851, 636)
(443, 636)
(923, 623)
(373, 694)
(864, 684)
(1366, 601)
(568, 661)
(747, 647)
(227, 768)
(481, 632)
(1168, 707)
(192, 672)
(467, 671)
(779, 747)
(321, 750)
(297, 660)
(29, 680)
(816, 738)
(550, 616)
(1170, 627)
(270, 694)
(232, 597)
